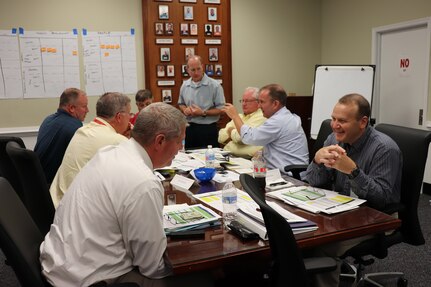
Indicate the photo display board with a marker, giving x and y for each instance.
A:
(176, 29)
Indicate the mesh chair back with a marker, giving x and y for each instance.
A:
(288, 266)
(413, 144)
(7, 169)
(37, 198)
(19, 238)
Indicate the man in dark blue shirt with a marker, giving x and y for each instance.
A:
(58, 129)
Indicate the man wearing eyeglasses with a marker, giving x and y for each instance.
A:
(110, 127)
(108, 228)
(281, 135)
(252, 116)
(57, 130)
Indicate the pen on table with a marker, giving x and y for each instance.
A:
(278, 183)
(339, 204)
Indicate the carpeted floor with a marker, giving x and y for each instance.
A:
(414, 261)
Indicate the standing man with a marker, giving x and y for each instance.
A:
(282, 137)
(57, 130)
(110, 127)
(358, 161)
(201, 100)
(253, 117)
(109, 226)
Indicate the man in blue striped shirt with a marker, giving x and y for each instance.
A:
(358, 161)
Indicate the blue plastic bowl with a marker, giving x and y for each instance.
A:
(205, 173)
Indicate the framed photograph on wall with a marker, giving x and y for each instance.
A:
(167, 96)
(169, 28)
(170, 70)
(189, 51)
(163, 12)
(184, 29)
(159, 28)
(193, 29)
(160, 71)
(213, 54)
(189, 1)
(217, 30)
(208, 29)
(188, 12)
(209, 70)
(184, 71)
(212, 13)
(218, 70)
(211, 1)
(165, 54)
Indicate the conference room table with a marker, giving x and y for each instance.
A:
(220, 248)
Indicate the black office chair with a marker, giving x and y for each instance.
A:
(324, 131)
(20, 239)
(413, 144)
(288, 267)
(37, 198)
(7, 169)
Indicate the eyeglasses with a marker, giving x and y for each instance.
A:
(247, 101)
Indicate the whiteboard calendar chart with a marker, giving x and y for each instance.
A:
(109, 62)
(331, 82)
(50, 62)
(10, 67)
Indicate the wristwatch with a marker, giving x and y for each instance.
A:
(354, 173)
(204, 114)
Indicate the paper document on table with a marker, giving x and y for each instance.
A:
(183, 216)
(274, 180)
(316, 200)
(252, 210)
(240, 165)
(183, 161)
(250, 216)
(214, 198)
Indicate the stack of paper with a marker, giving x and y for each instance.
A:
(316, 200)
(182, 217)
(250, 216)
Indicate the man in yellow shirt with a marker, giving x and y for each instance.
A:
(110, 127)
(252, 116)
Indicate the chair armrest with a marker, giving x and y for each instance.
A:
(315, 265)
(296, 169)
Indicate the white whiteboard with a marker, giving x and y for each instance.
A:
(333, 82)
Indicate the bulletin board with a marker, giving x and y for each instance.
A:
(174, 29)
(331, 82)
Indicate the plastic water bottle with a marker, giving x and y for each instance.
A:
(229, 199)
(259, 165)
(209, 157)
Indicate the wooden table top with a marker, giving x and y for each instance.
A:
(220, 247)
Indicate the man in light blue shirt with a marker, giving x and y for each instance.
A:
(282, 137)
(201, 100)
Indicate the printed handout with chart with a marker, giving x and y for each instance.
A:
(181, 217)
(250, 216)
(316, 199)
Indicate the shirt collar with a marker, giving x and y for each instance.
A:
(359, 144)
(143, 153)
(204, 82)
